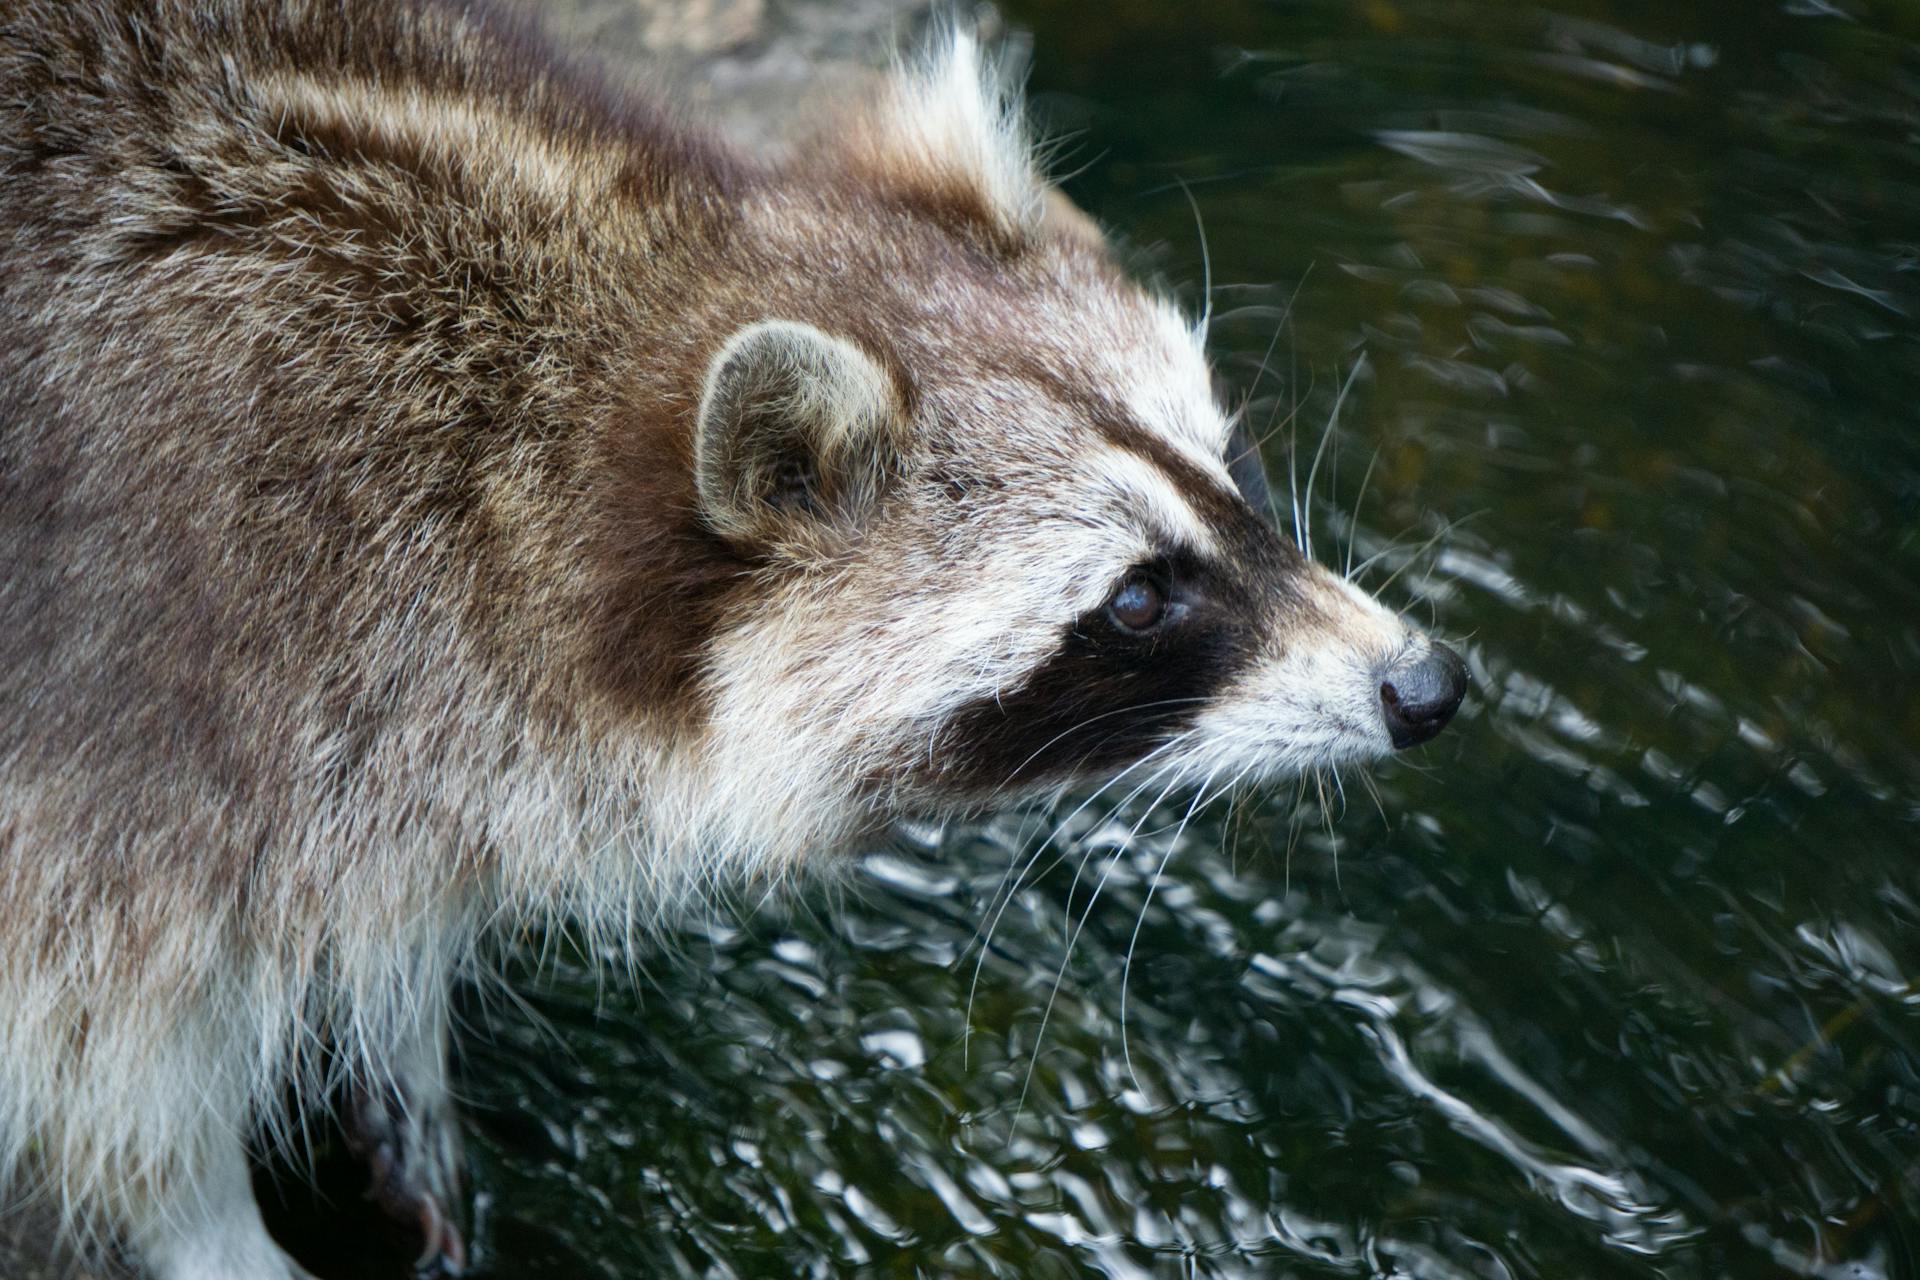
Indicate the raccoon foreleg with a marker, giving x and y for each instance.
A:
(210, 1228)
(402, 1123)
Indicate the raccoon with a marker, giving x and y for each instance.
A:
(442, 490)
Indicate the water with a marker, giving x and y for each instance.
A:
(1614, 981)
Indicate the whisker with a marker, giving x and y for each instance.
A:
(1421, 550)
(1446, 529)
(1067, 178)
(986, 938)
(1276, 423)
(1132, 835)
(1293, 445)
(1094, 719)
(1353, 523)
(1206, 262)
(1133, 942)
(1373, 790)
(1293, 834)
(1326, 434)
(1059, 976)
(1286, 315)
(1333, 840)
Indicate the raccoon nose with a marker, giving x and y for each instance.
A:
(1420, 695)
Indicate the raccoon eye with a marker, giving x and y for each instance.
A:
(1139, 605)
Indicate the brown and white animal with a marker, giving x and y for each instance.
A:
(439, 489)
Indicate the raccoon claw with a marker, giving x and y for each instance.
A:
(444, 1255)
(413, 1161)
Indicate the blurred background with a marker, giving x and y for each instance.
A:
(1611, 980)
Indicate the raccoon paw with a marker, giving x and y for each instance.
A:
(413, 1154)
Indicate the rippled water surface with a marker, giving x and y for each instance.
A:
(1614, 980)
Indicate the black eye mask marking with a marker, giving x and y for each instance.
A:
(1109, 694)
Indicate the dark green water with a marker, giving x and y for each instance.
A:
(1615, 980)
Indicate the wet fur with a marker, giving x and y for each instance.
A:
(357, 594)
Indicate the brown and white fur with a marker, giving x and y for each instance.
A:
(441, 491)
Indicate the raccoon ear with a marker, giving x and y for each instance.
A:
(948, 131)
(796, 427)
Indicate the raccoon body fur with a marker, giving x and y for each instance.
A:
(440, 490)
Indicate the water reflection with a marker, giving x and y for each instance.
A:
(1616, 979)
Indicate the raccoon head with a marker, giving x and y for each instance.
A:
(985, 494)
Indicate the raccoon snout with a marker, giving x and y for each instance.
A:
(1419, 694)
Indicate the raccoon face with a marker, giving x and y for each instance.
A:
(977, 584)
(996, 544)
